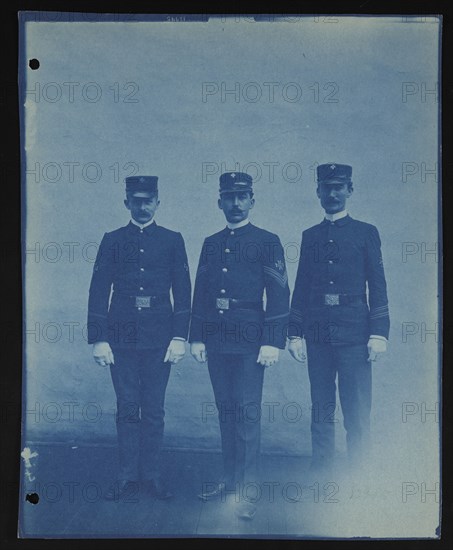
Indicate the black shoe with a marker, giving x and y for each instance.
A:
(122, 490)
(213, 493)
(158, 489)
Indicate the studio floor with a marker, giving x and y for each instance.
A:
(70, 482)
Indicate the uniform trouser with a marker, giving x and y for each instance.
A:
(237, 381)
(354, 388)
(140, 379)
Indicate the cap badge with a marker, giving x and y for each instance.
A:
(233, 175)
(332, 166)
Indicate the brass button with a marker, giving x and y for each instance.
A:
(224, 269)
(222, 291)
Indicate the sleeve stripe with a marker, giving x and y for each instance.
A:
(101, 316)
(379, 315)
(282, 280)
(195, 316)
(181, 311)
(297, 318)
(276, 317)
(296, 314)
(384, 311)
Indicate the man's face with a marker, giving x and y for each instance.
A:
(236, 205)
(142, 206)
(333, 196)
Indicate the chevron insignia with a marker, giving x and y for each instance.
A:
(280, 278)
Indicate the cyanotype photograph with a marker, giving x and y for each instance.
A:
(231, 276)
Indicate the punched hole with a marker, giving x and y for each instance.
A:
(33, 498)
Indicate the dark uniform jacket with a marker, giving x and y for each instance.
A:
(340, 258)
(139, 263)
(242, 264)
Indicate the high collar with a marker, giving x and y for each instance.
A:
(142, 225)
(239, 224)
(147, 228)
(238, 229)
(336, 216)
(339, 222)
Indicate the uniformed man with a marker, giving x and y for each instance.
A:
(339, 306)
(138, 332)
(235, 334)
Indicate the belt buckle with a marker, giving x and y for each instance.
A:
(143, 301)
(222, 303)
(331, 299)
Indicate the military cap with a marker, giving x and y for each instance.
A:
(231, 182)
(334, 173)
(141, 184)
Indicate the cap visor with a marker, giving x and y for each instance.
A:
(141, 194)
(335, 181)
(238, 190)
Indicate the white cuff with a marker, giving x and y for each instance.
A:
(378, 337)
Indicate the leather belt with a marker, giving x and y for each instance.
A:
(232, 303)
(142, 301)
(337, 299)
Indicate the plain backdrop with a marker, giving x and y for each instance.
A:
(186, 101)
